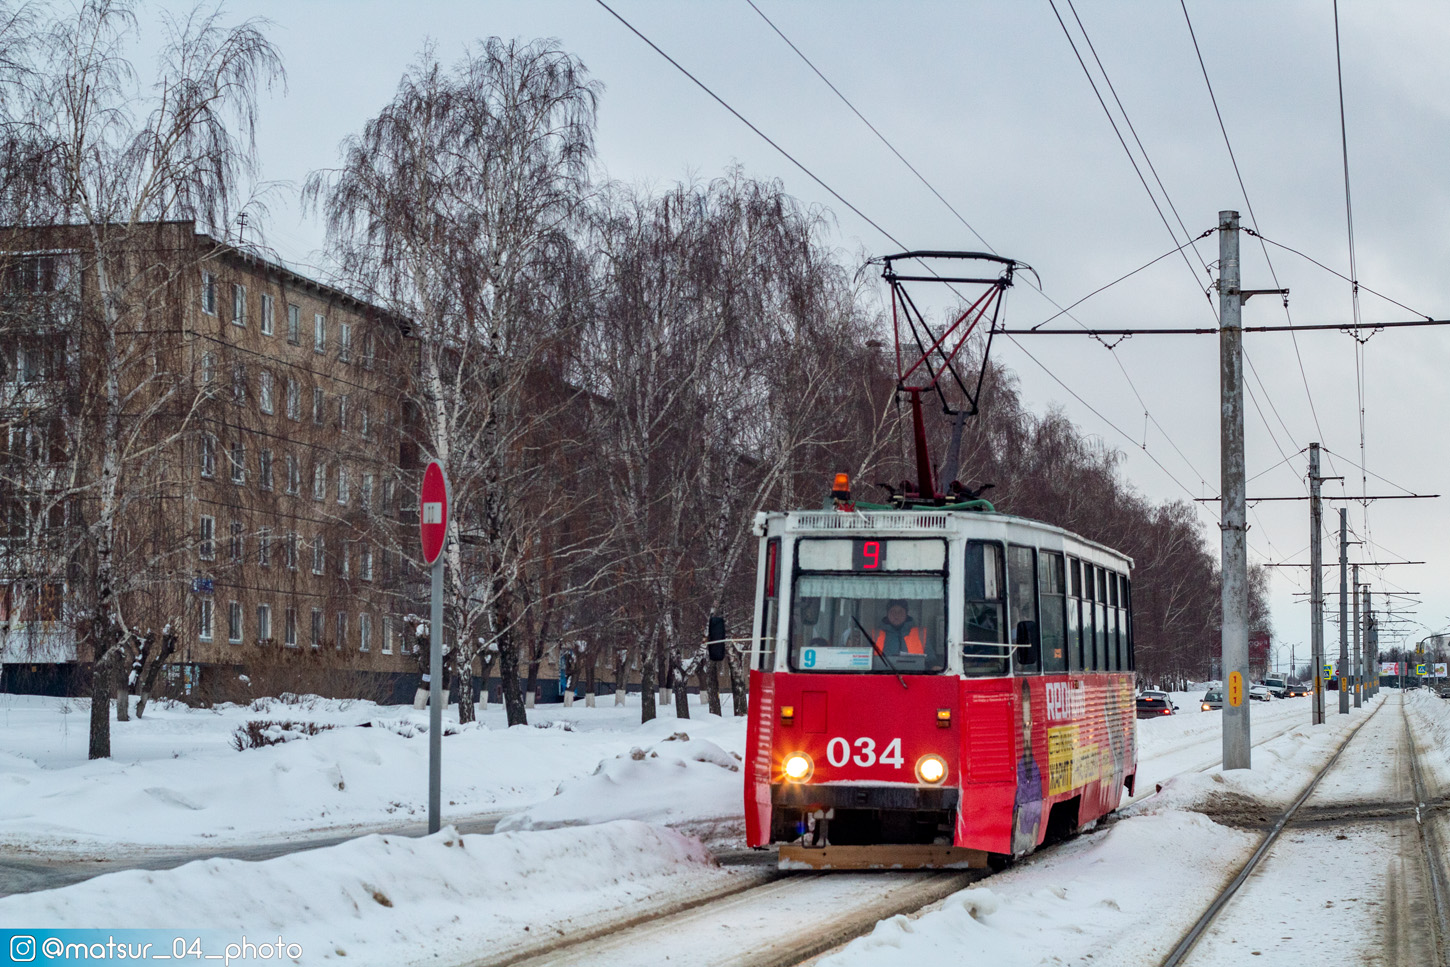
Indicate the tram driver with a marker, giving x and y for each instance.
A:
(897, 632)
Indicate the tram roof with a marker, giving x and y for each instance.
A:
(916, 522)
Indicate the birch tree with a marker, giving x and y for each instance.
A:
(453, 208)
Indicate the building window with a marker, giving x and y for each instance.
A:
(319, 481)
(208, 369)
(319, 333)
(319, 555)
(294, 474)
(239, 384)
(264, 547)
(234, 622)
(294, 324)
(365, 563)
(289, 628)
(208, 305)
(367, 424)
(204, 620)
(365, 495)
(239, 305)
(264, 623)
(344, 559)
(289, 548)
(342, 412)
(364, 632)
(264, 469)
(264, 391)
(344, 340)
(343, 489)
(316, 627)
(389, 629)
(236, 543)
(319, 406)
(206, 540)
(294, 400)
(268, 304)
(208, 455)
(341, 629)
(239, 463)
(370, 348)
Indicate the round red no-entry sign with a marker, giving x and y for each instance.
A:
(433, 511)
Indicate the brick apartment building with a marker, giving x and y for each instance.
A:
(272, 519)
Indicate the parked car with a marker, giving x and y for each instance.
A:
(1445, 690)
(1152, 704)
(1276, 686)
(1260, 693)
(1213, 698)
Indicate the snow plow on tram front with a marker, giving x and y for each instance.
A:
(933, 683)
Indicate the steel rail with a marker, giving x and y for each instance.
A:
(1185, 946)
(1430, 840)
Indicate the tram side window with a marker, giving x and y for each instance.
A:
(1115, 626)
(1022, 613)
(1127, 598)
(1091, 662)
(1051, 592)
(1101, 597)
(770, 614)
(985, 622)
(1074, 617)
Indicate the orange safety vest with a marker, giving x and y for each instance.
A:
(914, 644)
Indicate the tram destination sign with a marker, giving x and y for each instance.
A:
(871, 554)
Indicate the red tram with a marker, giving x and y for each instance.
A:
(934, 683)
(934, 687)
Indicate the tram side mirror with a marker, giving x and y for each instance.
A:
(1026, 634)
(715, 637)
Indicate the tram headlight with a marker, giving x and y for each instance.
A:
(798, 767)
(931, 769)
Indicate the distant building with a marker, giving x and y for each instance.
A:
(267, 511)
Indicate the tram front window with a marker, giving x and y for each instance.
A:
(868, 623)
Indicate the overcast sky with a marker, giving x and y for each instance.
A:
(989, 102)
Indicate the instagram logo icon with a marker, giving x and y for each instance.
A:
(22, 949)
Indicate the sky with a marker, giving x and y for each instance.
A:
(990, 103)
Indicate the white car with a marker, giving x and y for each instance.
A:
(1260, 693)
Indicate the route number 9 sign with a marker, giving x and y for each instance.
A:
(867, 555)
(1235, 689)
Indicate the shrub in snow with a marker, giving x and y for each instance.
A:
(259, 733)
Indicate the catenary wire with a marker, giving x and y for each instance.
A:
(875, 225)
(930, 187)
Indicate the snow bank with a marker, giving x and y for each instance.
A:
(679, 781)
(390, 900)
(1430, 718)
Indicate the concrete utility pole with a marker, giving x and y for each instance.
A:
(1358, 655)
(1235, 631)
(1316, 586)
(1344, 669)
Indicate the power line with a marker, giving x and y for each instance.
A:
(932, 188)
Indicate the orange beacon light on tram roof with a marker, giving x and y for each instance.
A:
(841, 490)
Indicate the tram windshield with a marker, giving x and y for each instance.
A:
(868, 623)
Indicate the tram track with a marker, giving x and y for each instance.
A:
(1408, 821)
(777, 919)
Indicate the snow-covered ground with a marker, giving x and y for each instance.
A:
(1119, 895)
(175, 780)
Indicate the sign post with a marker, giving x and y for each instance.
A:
(434, 499)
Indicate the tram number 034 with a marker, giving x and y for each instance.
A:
(838, 752)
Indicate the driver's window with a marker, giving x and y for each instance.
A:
(985, 630)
